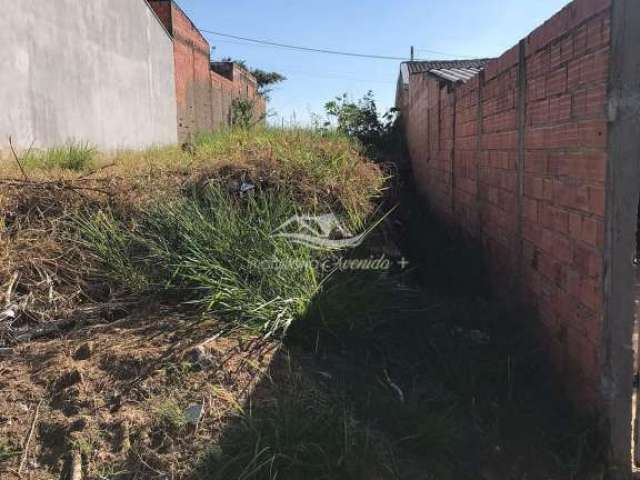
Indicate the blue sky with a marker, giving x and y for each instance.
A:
(458, 28)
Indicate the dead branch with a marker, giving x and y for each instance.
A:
(52, 185)
(76, 465)
(95, 170)
(17, 159)
(86, 317)
(25, 451)
(7, 295)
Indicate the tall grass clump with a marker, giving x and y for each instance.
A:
(299, 432)
(321, 169)
(75, 156)
(214, 249)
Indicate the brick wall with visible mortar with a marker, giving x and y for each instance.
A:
(204, 96)
(516, 158)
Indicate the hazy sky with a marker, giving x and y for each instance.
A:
(438, 30)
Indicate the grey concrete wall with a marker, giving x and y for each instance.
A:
(99, 71)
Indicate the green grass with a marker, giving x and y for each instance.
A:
(326, 170)
(170, 417)
(213, 249)
(75, 156)
(301, 432)
(450, 385)
(7, 451)
(196, 239)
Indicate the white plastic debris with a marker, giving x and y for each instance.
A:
(8, 314)
(246, 187)
(193, 413)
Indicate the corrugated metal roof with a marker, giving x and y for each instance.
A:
(449, 70)
(455, 74)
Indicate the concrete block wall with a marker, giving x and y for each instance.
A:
(523, 159)
(99, 71)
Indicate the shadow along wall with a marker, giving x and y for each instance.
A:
(534, 159)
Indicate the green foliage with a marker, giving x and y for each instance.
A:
(242, 113)
(114, 244)
(361, 120)
(301, 432)
(7, 451)
(72, 156)
(266, 79)
(214, 249)
(170, 417)
(322, 170)
(212, 246)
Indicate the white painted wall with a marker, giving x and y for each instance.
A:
(99, 71)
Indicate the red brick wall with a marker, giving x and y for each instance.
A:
(516, 158)
(204, 97)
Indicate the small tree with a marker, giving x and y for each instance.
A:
(266, 79)
(242, 112)
(361, 120)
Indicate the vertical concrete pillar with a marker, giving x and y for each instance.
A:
(622, 189)
(521, 109)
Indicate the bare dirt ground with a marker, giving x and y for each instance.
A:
(140, 397)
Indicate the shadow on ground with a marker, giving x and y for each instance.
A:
(407, 374)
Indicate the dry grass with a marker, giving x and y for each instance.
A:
(44, 274)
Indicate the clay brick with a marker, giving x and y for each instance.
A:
(592, 133)
(560, 52)
(559, 246)
(591, 293)
(587, 261)
(597, 200)
(537, 89)
(530, 209)
(555, 219)
(585, 166)
(592, 231)
(538, 64)
(561, 221)
(580, 41)
(589, 69)
(557, 81)
(590, 103)
(559, 109)
(571, 195)
(598, 32)
(535, 161)
(575, 225)
(534, 188)
(538, 112)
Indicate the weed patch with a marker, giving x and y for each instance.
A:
(168, 416)
(215, 250)
(7, 451)
(75, 156)
(301, 431)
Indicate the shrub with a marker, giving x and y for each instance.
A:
(361, 120)
(242, 113)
